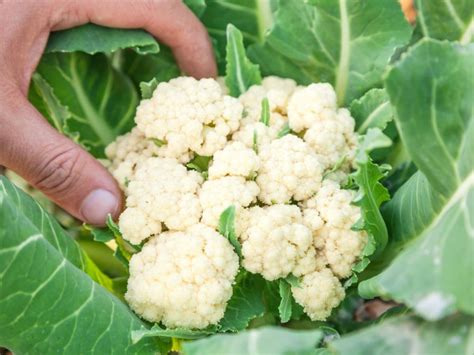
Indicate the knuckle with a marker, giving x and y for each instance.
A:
(58, 173)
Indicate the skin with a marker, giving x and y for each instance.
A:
(66, 173)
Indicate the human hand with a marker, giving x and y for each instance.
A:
(66, 173)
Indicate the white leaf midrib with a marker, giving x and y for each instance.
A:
(344, 54)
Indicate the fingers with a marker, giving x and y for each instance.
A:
(54, 164)
(170, 21)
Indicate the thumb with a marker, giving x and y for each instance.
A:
(58, 167)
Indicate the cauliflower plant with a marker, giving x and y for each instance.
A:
(282, 174)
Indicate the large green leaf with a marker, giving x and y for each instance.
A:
(262, 341)
(100, 101)
(410, 335)
(240, 72)
(446, 19)
(47, 303)
(431, 217)
(92, 39)
(347, 43)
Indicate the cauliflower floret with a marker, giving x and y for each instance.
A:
(126, 153)
(275, 89)
(319, 292)
(279, 92)
(166, 192)
(216, 195)
(288, 169)
(183, 279)
(315, 102)
(255, 134)
(124, 171)
(334, 205)
(330, 215)
(276, 244)
(234, 159)
(188, 114)
(341, 247)
(333, 139)
(136, 225)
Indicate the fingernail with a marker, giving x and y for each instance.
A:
(97, 205)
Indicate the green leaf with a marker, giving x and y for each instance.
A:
(199, 163)
(100, 100)
(347, 43)
(227, 228)
(440, 120)
(196, 6)
(265, 115)
(410, 335)
(285, 130)
(293, 280)
(103, 257)
(92, 39)
(371, 193)
(102, 235)
(246, 303)
(267, 340)
(48, 303)
(181, 333)
(255, 141)
(158, 142)
(285, 304)
(240, 72)
(252, 17)
(41, 95)
(372, 110)
(430, 216)
(147, 88)
(446, 19)
(143, 68)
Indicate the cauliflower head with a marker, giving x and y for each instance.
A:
(183, 279)
(283, 176)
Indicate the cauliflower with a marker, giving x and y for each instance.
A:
(288, 220)
(166, 192)
(186, 115)
(216, 195)
(318, 292)
(254, 135)
(126, 153)
(277, 244)
(288, 170)
(329, 131)
(183, 279)
(330, 215)
(136, 225)
(235, 159)
(317, 102)
(333, 139)
(275, 89)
